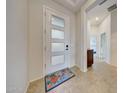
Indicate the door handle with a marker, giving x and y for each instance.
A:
(66, 47)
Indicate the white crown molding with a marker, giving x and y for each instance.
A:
(73, 5)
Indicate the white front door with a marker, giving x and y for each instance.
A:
(57, 41)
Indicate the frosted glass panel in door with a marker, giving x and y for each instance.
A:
(58, 21)
(56, 47)
(57, 59)
(56, 34)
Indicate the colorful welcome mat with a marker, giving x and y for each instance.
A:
(54, 79)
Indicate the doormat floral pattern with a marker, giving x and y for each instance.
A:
(54, 79)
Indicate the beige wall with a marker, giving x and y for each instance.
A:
(36, 35)
(17, 63)
(114, 38)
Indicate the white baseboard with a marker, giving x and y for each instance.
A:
(72, 65)
(85, 70)
(27, 85)
(77, 66)
(36, 79)
(113, 65)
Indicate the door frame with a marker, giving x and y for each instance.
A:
(44, 37)
(84, 32)
(108, 35)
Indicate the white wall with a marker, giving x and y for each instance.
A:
(105, 27)
(114, 37)
(81, 37)
(94, 32)
(36, 35)
(97, 30)
(17, 63)
(109, 26)
(78, 39)
(88, 33)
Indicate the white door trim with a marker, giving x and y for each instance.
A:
(84, 34)
(44, 37)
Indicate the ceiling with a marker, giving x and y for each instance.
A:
(73, 5)
(100, 11)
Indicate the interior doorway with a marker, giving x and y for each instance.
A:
(99, 29)
(93, 45)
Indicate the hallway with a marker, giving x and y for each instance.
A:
(101, 78)
(45, 36)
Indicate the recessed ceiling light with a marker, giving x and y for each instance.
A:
(97, 18)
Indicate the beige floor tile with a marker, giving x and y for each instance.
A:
(100, 78)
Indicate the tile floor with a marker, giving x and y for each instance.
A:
(100, 78)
